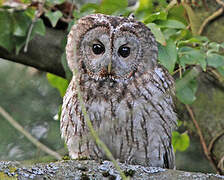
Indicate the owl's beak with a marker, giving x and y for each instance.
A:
(109, 68)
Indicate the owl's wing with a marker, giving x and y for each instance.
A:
(72, 122)
(70, 47)
(169, 158)
(162, 92)
(166, 81)
(69, 120)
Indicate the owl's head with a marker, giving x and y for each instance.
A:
(110, 47)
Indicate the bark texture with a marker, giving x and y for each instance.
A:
(44, 53)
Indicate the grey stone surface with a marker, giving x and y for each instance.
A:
(89, 170)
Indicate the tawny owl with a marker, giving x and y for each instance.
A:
(127, 94)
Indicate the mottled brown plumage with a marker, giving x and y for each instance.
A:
(128, 96)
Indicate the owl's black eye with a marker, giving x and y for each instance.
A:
(98, 49)
(124, 51)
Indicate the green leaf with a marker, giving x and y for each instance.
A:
(189, 41)
(26, 1)
(222, 45)
(53, 17)
(215, 60)
(53, 2)
(157, 33)
(192, 56)
(186, 95)
(60, 83)
(110, 6)
(39, 28)
(169, 32)
(183, 34)
(176, 12)
(186, 87)
(156, 16)
(6, 27)
(89, 8)
(215, 46)
(179, 123)
(145, 6)
(168, 55)
(193, 18)
(187, 77)
(58, 116)
(30, 12)
(180, 141)
(21, 23)
(170, 23)
(19, 42)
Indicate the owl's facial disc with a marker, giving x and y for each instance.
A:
(95, 49)
(126, 54)
(110, 57)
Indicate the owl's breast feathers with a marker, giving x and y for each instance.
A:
(134, 119)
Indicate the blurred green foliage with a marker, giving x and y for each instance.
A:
(180, 141)
(32, 102)
(58, 82)
(181, 48)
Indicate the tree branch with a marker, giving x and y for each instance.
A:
(202, 140)
(44, 53)
(17, 126)
(209, 19)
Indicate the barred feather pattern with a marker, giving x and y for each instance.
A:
(131, 109)
(134, 120)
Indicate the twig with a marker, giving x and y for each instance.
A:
(66, 20)
(171, 4)
(37, 15)
(180, 71)
(17, 126)
(202, 140)
(208, 19)
(211, 145)
(192, 74)
(176, 71)
(213, 16)
(71, 10)
(220, 164)
(205, 4)
(216, 74)
(220, 2)
(29, 34)
(69, 17)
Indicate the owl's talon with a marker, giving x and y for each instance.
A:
(82, 158)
